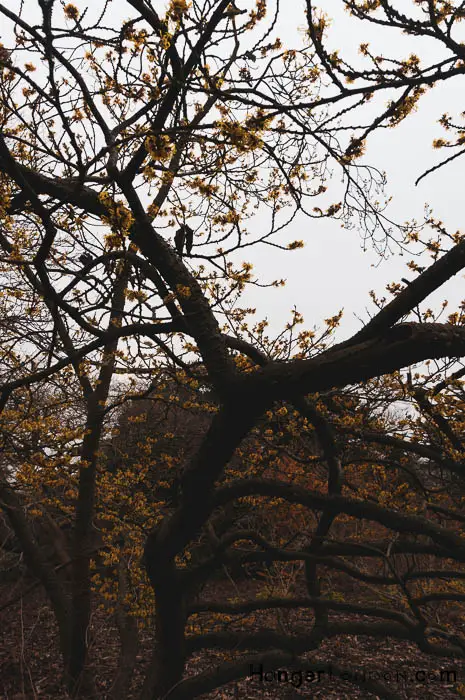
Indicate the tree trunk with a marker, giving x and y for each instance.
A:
(167, 666)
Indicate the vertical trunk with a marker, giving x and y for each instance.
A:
(226, 431)
(129, 637)
(79, 682)
(79, 677)
(169, 656)
(127, 660)
(311, 573)
(327, 442)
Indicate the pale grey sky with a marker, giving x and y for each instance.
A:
(332, 271)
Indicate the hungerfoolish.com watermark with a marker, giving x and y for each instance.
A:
(299, 678)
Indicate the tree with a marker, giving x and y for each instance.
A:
(190, 121)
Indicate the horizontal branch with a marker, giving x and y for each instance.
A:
(249, 606)
(302, 643)
(251, 667)
(394, 520)
(400, 346)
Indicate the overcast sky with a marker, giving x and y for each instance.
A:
(332, 271)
